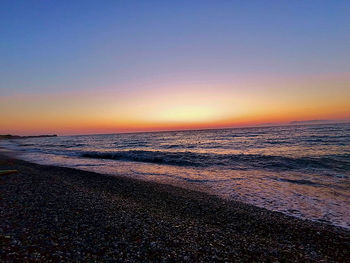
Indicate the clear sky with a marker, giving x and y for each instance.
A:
(74, 67)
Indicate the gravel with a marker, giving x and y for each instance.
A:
(50, 214)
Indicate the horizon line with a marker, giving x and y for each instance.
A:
(265, 125)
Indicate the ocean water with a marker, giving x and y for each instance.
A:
(303, 171)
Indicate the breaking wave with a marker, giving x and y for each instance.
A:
(232, 161)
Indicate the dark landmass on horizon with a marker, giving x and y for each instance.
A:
(9, 136)
(305, 122)
(316, 122)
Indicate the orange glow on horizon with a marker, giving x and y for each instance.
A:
(178, 107)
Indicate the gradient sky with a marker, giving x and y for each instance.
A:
(75, 67)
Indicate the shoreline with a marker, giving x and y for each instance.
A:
(57, 213)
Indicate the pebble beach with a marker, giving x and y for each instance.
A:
(55, 214)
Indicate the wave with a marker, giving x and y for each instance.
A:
(232, 161)
(301, 181)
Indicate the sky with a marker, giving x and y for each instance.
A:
(82, 67)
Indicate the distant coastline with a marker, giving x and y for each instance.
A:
(314, 122)
(9, 136)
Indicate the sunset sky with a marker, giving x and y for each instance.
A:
(80, 67)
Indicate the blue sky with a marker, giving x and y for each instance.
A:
(76, 45)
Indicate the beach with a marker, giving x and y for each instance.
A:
(51, 213)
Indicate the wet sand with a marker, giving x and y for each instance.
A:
(50, 213)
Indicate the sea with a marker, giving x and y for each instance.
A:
(301, 170)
